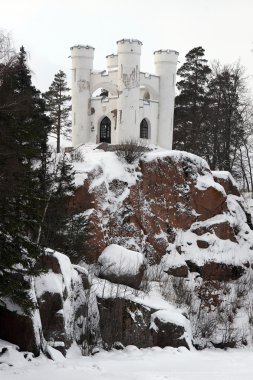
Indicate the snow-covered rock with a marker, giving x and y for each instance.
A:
(143, 207)
(190, 229)
(190, 225)
(132, 323)
(20, 329)
(60, 293)
(121, 265)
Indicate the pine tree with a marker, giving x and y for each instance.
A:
(23, 138)
(57, 100)
(60, 186)
(189, 121)
(62, 229)
(77, 232)
(226, 115)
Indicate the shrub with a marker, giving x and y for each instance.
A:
(77, 155)
(131, 150)
(204, 325)
(177, 290)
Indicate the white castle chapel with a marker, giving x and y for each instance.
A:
(135, 105)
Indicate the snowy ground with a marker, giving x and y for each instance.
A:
(134, 364)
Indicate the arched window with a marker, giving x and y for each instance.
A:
(146, 96)
(105, 130)
(100, 92)
(144, 129)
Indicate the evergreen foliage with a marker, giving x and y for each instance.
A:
(74, 237)
(189, 121)
(59, 186)
(60, 228)
(212, 113)
(23, 138)
(57, 101)
(225, 119)
(35, 182)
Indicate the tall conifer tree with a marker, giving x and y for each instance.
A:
(57, 100)
(227, 108)
(189, 121)
(23, 139)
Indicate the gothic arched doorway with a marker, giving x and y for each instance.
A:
(105, 130)
(144, 130)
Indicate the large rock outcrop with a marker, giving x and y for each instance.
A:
(19, 329)
(170, 199)
(166, 230)
(189, 224)
(72, 307)
(130, 323)
(58, 320)
(141, 207)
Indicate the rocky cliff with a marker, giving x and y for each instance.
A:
(155, 206)
(169, 261)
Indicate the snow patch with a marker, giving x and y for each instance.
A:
(48, 282)
(55, 355)
(120, 261)
(170, 315)
(105, 163)
(177, 156)
(225, 175)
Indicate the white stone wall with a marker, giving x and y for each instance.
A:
(165, 68)
(129, 52)
(151, 83)
(149, 111)
(103, 79)
(82, 64)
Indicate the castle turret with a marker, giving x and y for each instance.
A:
(82, 64)
(129, 52)
(165, 68)
(112, 62)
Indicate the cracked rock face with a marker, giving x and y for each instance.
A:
(131, 323)
(169, 193)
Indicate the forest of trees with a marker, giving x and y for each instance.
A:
(214, 115)
(35, 181)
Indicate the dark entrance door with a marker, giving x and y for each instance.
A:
(105, 130)
(144, 129)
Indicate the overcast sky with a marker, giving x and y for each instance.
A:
(47, 29)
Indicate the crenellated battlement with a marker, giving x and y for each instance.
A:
(112, 61)
(87, 47)
(129, 41)
(129, 46)
(166, 51)
(82, 51)
(82, 56)
(169, 56)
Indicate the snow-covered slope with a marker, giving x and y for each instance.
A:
(133, 364)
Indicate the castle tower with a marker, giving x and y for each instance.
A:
(129, 52)
(82, 64)
(112, 62)
(165, 68)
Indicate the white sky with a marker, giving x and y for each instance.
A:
(47, 29)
